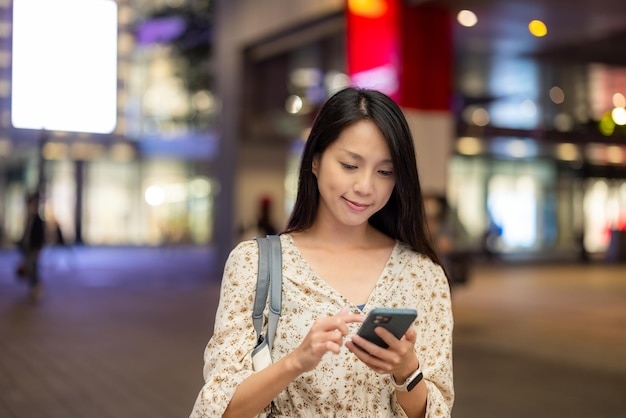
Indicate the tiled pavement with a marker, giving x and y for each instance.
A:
(120, 333)
(541, 341)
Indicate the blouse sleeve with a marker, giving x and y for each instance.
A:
(227, 360)
(436, 349)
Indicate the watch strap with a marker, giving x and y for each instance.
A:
(410, 382)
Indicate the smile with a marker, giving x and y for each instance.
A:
(359, 207)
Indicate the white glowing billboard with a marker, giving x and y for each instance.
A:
(64, 65)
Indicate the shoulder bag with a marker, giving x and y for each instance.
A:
(269, 281)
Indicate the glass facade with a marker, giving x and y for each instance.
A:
(538, 162)
(100, 188)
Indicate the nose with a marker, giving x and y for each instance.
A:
(364, 183)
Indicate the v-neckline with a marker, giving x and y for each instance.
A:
(385, 273)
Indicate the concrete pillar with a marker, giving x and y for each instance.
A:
(406, 51)
(426, 90)
(228, 68)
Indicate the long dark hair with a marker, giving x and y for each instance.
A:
(403, 217)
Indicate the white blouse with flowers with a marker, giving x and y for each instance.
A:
(340, 385)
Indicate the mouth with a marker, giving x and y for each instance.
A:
(359, 207)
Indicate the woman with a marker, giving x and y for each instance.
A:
(356, 240)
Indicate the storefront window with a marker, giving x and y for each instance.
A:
(605, 211)
(146, 203)
(111, 213)
(512, 206)
(505, 201)
(61, 199)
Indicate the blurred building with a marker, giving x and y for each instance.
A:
(514, 127)
(107, 106)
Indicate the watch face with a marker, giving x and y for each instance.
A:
(415, 381)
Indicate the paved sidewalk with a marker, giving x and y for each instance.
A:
(120, 334)
(543, 341)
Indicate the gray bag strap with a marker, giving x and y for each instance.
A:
(262, 286)
(269, 281)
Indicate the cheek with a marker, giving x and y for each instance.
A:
(387, 191)
(326, 182)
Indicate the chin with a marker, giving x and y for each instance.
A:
(354, 222)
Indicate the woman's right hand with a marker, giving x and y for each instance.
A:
(325, 335)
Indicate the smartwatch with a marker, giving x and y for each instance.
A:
(410, 381)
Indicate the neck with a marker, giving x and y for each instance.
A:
(333, 236)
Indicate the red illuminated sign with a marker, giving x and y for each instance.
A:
(402, 50)
(374, 44)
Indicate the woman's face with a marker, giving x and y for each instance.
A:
(355, 175)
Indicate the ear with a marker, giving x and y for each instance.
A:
(315, 166)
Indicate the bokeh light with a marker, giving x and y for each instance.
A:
(467, 18)
(480, 117)
(563, 122)
(619, 116)
(537, 28)
(368, 8)
(293, 104)
(614, 154)
(154, 195)
(607, 124)
(619, 100)
(469, 145)
(567, 152)
(557, 95)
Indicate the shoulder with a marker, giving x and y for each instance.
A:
(429, 277)
(241, 267)
(244, 248)
(405, 252)
(251, 245)
(243, 256)
(417, 261)
(248, 251)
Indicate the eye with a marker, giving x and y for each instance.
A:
(348, 166)
(386, 173)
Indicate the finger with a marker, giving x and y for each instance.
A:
(373, 362)
(358, 351)
(333, 347)
(387, 337)
(343, 311)
(351, 318)
(410, 335)
(368, 347)
(340, 322)
(345, 315)
(334, 323)
(335, 335)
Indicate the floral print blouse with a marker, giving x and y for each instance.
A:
(341, 385)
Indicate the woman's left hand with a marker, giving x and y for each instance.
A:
(399, 359)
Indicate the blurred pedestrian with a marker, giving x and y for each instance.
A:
(30, 246)
(444, 231)
(356, 240)
(491, 238)
(265, 225)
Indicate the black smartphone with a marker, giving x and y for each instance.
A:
(397, 321)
